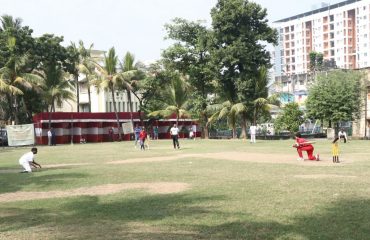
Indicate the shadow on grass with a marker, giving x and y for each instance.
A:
(13, 182)
(346, 219)
(113, 218)
(175, 217)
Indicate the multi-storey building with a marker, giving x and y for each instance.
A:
(101, 100)
(341, 32)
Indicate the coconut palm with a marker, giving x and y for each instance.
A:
(111, 80)
(176, 99)
(8, 22)
(56, 87)
(130, 73)
(262, 102)
(14, 75)
(86, 67)
(226, 110)
(14, 78)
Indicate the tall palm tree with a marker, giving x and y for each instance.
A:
(111, 80)
(262, 102)
(56, 87)
(8, 22)
(130, 75)
(86, 67)
(226, 110)
(176, 98)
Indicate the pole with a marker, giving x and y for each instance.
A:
(72, 128)
(71, 131)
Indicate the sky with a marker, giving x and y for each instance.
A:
(136, 26)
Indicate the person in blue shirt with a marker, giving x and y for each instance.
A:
(137, 131)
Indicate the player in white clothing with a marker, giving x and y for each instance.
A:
(174, 131)
(27, 160)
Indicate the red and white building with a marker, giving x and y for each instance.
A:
(71, 127)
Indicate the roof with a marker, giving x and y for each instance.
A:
(319, 10)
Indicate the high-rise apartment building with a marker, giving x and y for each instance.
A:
(341, 32)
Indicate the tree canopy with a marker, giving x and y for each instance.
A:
(335, 96)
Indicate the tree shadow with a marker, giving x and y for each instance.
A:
(175, 216)
(345, 219)
(12, 182)
(91, 215)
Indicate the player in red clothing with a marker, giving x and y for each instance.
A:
(142, 138)
(304, 145)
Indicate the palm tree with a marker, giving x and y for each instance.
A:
(56, 87)
(110, 79)
(262, 102)
(226, 110)
(130, 75)
(14, 78)
(14, 75)
(176, 99)
(86, 67)
(8, 22)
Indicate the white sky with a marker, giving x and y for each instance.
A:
(128, 25)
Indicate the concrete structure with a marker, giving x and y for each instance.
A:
(341, 32)
(361, 127)
(101, 101)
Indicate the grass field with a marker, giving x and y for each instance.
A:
(209, 189)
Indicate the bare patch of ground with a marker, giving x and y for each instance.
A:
(64, 165)
(234, 156)
(155, 188)
(143, 160)
(264, 158)
(320, 176)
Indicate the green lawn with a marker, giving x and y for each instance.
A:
(262, 198)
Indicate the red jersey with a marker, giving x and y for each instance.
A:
(302, 142)
(142, 135)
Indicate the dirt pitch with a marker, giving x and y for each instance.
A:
(155, 188)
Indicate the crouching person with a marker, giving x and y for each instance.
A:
(27, 160)
(303, 145)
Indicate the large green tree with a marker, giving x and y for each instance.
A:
(290, 118)
(335, 96)
(190, 55)
(240, 34)
(16, 64)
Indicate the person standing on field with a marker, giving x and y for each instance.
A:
(335, 150)
(137, 131)
(49, 137)
(252, 131)
(155, 132)
(174, 131)
(142, 138)
(53, 137)
(27, 160)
